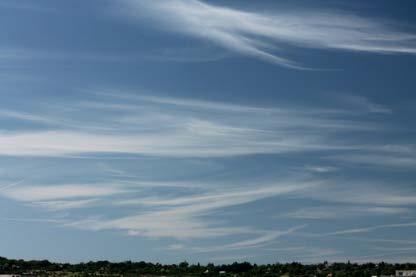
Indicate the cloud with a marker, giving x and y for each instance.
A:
(177, 127)
(380, 195)
(381, 158)
(39, 193)
(32, 220)
(183, 217)
(266, 35)
(371, 228)
(321, 169)
(224, 197)
(190, 209)
(360, 103)
(380, 241)
(176, 247)
(195, 139)
(26, 116)
(65, 204)
(187, 55)
(337, 212)
(60, 197)
(259, 241)
(11, 185)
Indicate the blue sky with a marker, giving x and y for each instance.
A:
(208, 131)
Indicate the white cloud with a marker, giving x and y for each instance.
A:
(321, 169)
(32, 220)
(154, 127)
(262, 240)
(25, 116)
(224, 197)
(182, 217)
(381, 158)
(56, 205)
(194, 139)
(338, 212)
(60, 197)
(382, 240)
(43, 193)
(375, 194)
(265, 35)
(175, 127)
(370, 229)
(176, 247)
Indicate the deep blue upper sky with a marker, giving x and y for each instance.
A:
(208, 131)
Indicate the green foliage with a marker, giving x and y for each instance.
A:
(129, 268)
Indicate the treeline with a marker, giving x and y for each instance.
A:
(128, 268)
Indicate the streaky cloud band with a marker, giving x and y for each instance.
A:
(265, 36)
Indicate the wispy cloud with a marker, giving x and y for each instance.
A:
(187, 174)
(39, 193)
(163, 126)
(337, 212)
(262, 240)
(267, 35)
(320, 169)
(182, 217)
(224, 197)
(377, 194)
(60, 197)
(26, 116)
(371, 228)
(389, 159)
(32, 220)
(56, 205)
(149, 127)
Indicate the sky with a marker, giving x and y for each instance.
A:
(208, 131)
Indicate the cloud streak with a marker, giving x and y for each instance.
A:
(336, 212)
(182, 217)
(148, 127)
(175, 127)
(371, 228)
(265, 36)
(60, 197)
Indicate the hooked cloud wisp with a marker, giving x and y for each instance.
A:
(266, 36)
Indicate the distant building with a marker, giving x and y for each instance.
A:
(406, 273)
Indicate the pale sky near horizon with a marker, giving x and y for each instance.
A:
(208, 131)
